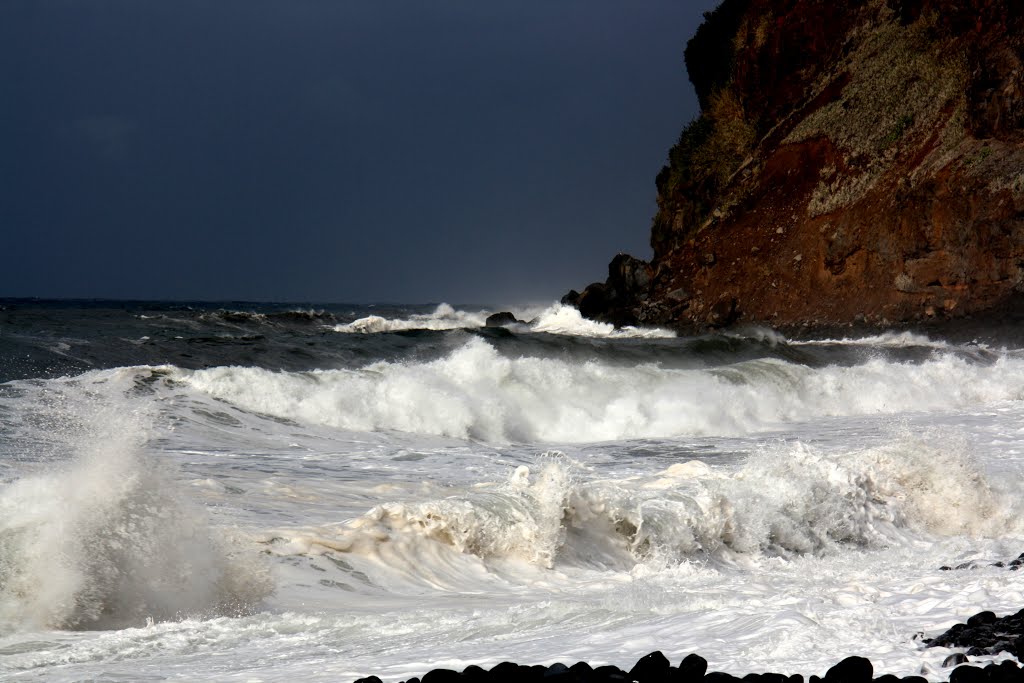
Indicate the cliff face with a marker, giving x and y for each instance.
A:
(854, 161)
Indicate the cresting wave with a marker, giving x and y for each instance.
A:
(477, 393)
(444, 317)
(785, 501)
(107, 539)
(556, 319)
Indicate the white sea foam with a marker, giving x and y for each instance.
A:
(476, 393)
(444, 317)
(786, 501)
(107, 539)
(561, 319)
(555, 319)
(902, 339)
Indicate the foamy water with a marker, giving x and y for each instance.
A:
(771, 505)
(555, 319)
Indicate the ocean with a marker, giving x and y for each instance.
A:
(261, 492)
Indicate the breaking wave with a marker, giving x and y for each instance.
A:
(444, 317)
(476, 393)
(789, 501)
(560, 319)
(556, 319)
(107, 539)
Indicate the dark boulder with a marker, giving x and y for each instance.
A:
(651, 668)
(475, 674)
(629, 277)
(502, 319)
(955, 659)
(1006, 671)
(692, 668)
(968, 674)
(887, 678)
(720, 677)
(593, 302)
(441, 676)
(582, 669)
(506, 672)
(982, 618)
(985, 634)
(851, 670)
(570, 298)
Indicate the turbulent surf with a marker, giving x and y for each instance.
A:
(206, 492)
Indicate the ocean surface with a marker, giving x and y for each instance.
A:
(247, 492)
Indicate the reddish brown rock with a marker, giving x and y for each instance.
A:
(858, 160)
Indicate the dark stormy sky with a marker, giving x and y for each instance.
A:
(333, 150)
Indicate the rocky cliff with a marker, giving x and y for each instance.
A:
(856, 160)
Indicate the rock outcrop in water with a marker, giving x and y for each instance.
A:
(986, 634)
(858, 161)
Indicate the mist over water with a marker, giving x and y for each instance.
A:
(205, 492)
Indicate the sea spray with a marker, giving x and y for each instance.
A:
(786, 500)
(108, 539)
(475, 392)
(555, 319)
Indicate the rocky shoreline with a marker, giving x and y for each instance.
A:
(656, 667)
(982, 635)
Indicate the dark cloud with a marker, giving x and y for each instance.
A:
(334, 151)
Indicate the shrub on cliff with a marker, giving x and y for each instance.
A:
(709, 54)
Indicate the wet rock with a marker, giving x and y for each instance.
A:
(692, 668)
(559, 673)
(651, 668)
(720, 677)
(628, 276)
(985, 634)
(581, 669)
(954, 659)
(850, 670)
(368, 679)
(887, 678)
(593, 302)
(609, 674)
(570, 298)
(441, 676)
(982, 618)
(505, 672)
(502, 319)
(1006, 671)
(475, 674)
(968, 674)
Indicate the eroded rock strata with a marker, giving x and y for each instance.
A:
(858, 161)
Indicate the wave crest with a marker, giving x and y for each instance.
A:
(109, 540)
(477, 393)
(788, 501)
